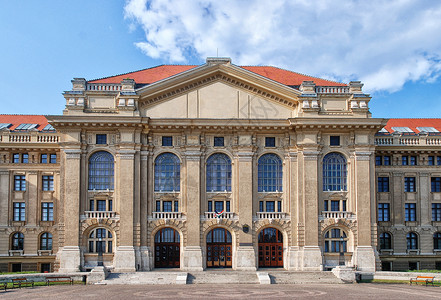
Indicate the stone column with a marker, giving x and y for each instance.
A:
(69, 255)
(245, 253)
(311, 259)
(364, 256)
(32, 199)
(192, 254)
(144, 249)
(291, 196)
(124, 260)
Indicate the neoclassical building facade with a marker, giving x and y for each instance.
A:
(197, 167)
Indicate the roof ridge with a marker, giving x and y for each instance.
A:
(22, 115)
(315, 77)
(140, 70)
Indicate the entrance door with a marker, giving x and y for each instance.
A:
(219, 248)
(270, 248)
(167, 248)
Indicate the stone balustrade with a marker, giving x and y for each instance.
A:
(29, 137)
(337, 215)
(332, 90)
(166, 215)
(400, 140)
(271, 215)
(224, 215)
(99, 215)
(103, 87)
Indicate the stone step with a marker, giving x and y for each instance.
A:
(145, 278)
(297, 277)
(222, 277)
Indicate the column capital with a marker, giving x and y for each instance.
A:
(126, 154)
(72, 153)
(362, 155)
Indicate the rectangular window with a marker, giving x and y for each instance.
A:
(410, 212)
(378, 160)
(386, 160)
(383, 212)
(43, 159)
(409, 184)
(101, 139)
(383, 184)
(19, 183)
(47, 211)
(210, 206)
(167, 206)
(436, 212)
(413, 161)
(344, 205)
(261, 206)
(334, 140)
(335, 205)
(436, 184)
(270, 141)
(110, 205)
(270, 206)
(326, 205)
(19, 211)
(438, 160)
(48, 183)
(101, 205)
(25, 158)
(167, 141)
(158, 206)
(218, 206)
(53, 159)
(16, 158)
(279, 206)
(404, 160)
(431, 160)
(92, 205)
(218, 141)
(227, 204)
(176, 206)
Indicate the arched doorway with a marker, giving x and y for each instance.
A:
(167, 248)
(270, 248)
(219, 248)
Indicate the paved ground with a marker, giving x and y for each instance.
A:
(251, 292)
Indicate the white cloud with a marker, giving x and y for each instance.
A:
(383, 43)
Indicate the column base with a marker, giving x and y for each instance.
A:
(293, 258)
(146, 258)
(70, 259)
(124, 259)
(192, 259)
(311, 258)
(364, 258)
(245, 258)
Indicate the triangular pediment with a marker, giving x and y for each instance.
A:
(218, 91)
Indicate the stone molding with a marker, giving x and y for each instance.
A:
(72, 154)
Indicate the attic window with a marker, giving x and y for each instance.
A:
(427, 129)
(4, 125)
(402, 129)
(383, 130)
(48, 127)
(26, 126)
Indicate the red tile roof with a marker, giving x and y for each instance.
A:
(16, 120)
(150, 75)
(413, 124)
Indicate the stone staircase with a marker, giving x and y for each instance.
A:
(297, 277)
(143, 278)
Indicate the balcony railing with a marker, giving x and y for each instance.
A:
(166, 215)
(100, 215)
(271, 215)
(332, 90)
(224, 215)
(400, 140)
(29, 137)
(337, 215)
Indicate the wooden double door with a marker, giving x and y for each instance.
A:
(219, 248)
(270, 248)
(167, 248)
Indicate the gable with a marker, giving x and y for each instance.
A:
(219, 100)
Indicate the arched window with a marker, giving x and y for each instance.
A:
(218, 173)
(17, 241)
(335, 240)
(167, 235)
(46, 241)
(269, 175)
(101, 171)
(412, 241)
(219, 235)
(437, 241)
(100, 241)
(167, 173)
(270, 235)
(385, 241)
(334, 172)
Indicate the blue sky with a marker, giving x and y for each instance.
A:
(393, 47)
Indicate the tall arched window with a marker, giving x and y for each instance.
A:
(269, 174)
(218, 173)
(385, 241)
(336, 240)
(334, 172)
(412, 241)
(46, 241)
(17, 241)
(437, 241)
(101, 171)
(167, 173)
(100, 240)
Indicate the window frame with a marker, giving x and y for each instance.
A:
(269, 173)
(335, 172)
(47, 211)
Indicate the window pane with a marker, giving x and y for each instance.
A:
(269, 174)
